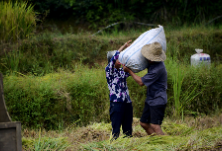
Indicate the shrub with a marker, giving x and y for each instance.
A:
(43, 95)
(57, 99)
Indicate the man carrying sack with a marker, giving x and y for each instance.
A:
(156, 82)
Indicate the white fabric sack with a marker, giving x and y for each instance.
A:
(200, 58)
(132, 56)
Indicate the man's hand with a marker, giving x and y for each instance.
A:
(126, 69)
(127, 44)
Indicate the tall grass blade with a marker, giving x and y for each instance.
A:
(17, 20)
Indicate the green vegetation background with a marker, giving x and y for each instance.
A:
(99, 13)
(53, 79)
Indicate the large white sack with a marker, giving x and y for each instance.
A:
(132, 56)
(200, 58)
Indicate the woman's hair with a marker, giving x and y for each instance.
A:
(110, 55)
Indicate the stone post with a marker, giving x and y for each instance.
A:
(10, 132)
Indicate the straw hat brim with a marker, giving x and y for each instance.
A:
(148, 55)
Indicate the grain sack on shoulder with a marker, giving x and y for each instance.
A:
(132, 56)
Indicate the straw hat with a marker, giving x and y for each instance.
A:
(153, 52)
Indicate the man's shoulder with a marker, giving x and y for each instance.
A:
(159, 67)
(156, 66)
(160, 64)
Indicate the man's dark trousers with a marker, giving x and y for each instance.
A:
(121, 114)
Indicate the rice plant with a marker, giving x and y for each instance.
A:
(17, 20)
(45, 143)
(182, 97)
(180, 136)
(177, 84)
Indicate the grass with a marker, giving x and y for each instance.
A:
(190, 134)
(177, 84)
(182, 99)
(82, 95)
(62, 92)
(17, 21)
(46, 143)
(53, 73)
(63, 72)
(46, 52)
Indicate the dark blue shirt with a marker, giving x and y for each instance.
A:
(156, 82)
(116, 80)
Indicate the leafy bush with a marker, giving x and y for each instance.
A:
(32, 102)
(99, 13)
(58, 99)
(36, 89)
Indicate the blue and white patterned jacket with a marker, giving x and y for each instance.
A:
(116, 80)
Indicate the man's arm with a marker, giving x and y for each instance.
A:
(148, 79)
(135, 77)
(127, 44)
